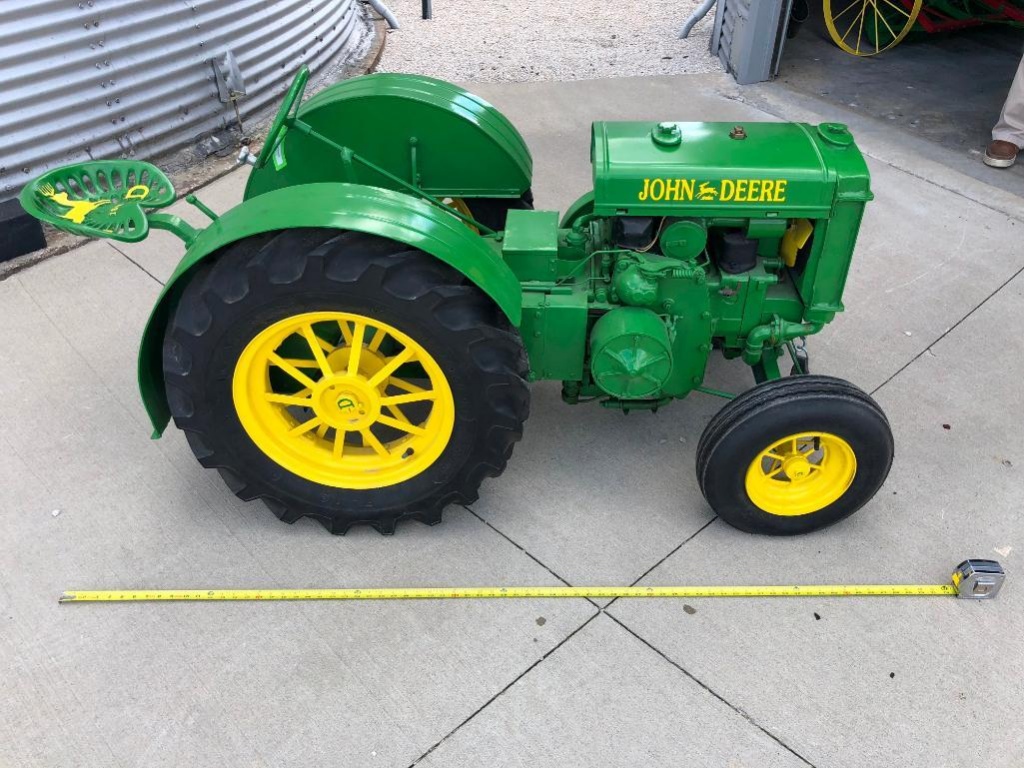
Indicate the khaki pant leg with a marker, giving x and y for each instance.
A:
(1011, 122)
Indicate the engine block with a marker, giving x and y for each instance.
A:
(696, 236)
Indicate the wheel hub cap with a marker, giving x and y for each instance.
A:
(347, 403)
(797, 467)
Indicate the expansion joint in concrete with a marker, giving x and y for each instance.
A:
(949, 330)
(738, 710)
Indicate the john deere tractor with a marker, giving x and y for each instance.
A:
(354, 342)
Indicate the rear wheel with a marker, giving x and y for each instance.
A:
(344, 377)
(794, 455)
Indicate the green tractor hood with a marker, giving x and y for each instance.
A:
(760, 170)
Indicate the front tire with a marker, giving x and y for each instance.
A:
(794, 455)
(344, 377)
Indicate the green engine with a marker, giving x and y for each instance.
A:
(697, 236)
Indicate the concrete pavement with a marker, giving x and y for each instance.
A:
(935, 302)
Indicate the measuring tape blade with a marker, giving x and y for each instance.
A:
(978, 579)
(450, 593)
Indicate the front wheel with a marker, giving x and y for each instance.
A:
(794, 455)
(344, 377)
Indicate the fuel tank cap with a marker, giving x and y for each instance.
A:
(667, 134)
(836, 133)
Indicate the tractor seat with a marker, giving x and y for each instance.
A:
(104, 198)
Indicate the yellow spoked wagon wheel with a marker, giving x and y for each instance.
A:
(868, 27)
(458, 204)
(489, 211)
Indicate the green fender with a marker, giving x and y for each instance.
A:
(382, 212)
(435, 135)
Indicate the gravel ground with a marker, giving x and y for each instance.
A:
(510, 41)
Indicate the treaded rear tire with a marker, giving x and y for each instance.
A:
(257, 281)
(773, 410)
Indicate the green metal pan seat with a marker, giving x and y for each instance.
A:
(104, 198)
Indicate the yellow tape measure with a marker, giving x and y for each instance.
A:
(450, 593)
(973, 578)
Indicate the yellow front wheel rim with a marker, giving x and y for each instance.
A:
(321, 395)
(801, 473)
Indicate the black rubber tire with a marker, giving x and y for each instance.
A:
(263, 279)
(770, 412)
(491, 211)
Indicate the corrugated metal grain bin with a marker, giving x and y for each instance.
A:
(111, 78)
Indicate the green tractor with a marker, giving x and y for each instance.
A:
(354, 342)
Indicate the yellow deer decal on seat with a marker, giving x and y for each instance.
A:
(79, 208)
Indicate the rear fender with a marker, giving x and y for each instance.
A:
(375, 211)
(435, 135)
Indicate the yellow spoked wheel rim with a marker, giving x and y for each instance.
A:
(458, 204)
(801, 473)
(868, 27)
(320, 394)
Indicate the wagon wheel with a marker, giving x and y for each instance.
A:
(869, 26)
(489, 211)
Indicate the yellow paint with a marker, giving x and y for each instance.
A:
(800, 474)
(476, 593)
(796, 237)
(138, 192)
(79, 209)
(903, 19)
(458, 204)
(726, 191)
(353, 430)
